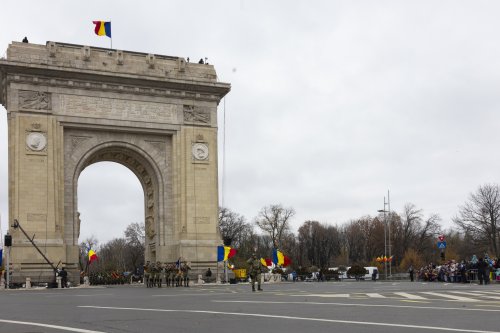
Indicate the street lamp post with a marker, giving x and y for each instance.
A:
(389, 232)
(385, 239)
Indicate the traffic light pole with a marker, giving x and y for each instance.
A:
(8, 244)
(7, 262)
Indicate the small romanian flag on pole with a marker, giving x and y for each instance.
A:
(92, 256)
(225, 252)
(280, 259)
(102, 28)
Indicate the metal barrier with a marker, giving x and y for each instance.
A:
(472, 275)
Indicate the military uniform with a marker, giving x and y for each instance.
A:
(170, 274)
(154, 273)
(179, 277)
(185, 273)
(255, 269)
(147, 274)
(159, 276)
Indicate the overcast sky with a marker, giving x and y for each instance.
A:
(332, 103)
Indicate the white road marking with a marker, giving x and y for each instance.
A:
(375, 295)
(88, 295)
(322, 295)
(57, 327)
(364, 305)
(453, 297)
(488, 292)
(410, 296)
(477, 294)
(177, 295)
(368, 323)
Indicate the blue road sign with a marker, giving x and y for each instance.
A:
(441, 245)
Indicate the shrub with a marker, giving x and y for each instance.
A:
(357, 271)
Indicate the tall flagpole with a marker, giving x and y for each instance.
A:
(225, 271)
(389, 229)
(111, 34)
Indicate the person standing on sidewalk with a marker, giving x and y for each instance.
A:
(411, 271)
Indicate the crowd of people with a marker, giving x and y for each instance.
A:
(477, 269)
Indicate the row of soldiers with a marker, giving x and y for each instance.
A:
(106, 278)
(176, 274)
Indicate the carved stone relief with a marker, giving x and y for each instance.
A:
(158, 145)
(150, 227)
(77, 226)
(34, 100)
(195, 115)
(77, 141)
(111, 108)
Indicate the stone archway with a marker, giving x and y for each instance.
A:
(148, 157)
(70, 106)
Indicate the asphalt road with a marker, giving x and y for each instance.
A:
(364, 306)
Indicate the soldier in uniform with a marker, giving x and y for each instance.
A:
(179, 276)
(255, 269)
(185, 267)
(169, 274)
(147, 273)
(159, 276)
(154, 275)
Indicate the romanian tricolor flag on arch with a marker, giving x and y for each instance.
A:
(102, 28)
(225, 252)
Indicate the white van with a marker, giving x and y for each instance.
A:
(369, 272)
(368, 275)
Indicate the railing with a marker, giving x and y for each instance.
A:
(471, 275)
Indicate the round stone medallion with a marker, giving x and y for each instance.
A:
(200, 151)
(36, 141)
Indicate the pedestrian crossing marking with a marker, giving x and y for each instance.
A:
(409, 296)
(488, 292)
(324, 295)
(375, 295)
(453, 297)
(496, 296)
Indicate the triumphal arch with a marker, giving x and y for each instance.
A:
(69, 106)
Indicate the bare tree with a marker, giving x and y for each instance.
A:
(232, 227)
(135, 234)
(317, 244)
(411, 230)
(135, 245)
(274, 220)
(428, 232)
(479, 216)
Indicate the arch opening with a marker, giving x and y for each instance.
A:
(110, 197)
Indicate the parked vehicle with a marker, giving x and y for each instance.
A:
(367, 276)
